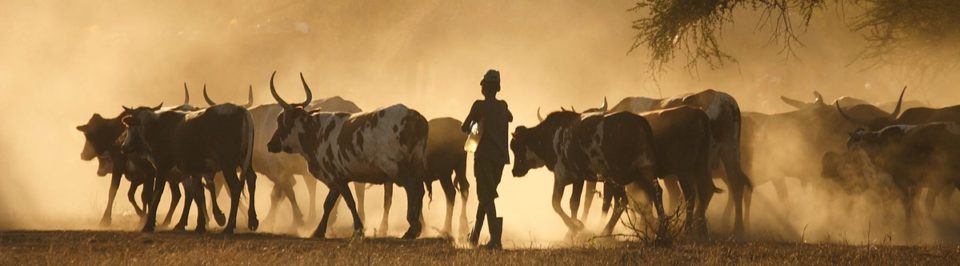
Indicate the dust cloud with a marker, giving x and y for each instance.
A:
(63, 61)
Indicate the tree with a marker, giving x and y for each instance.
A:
(920, 33)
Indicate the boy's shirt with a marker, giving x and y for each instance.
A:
(494, 118)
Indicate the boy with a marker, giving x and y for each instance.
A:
(492, 117)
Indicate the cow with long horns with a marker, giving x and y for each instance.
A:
(194, 144)
(386, 145)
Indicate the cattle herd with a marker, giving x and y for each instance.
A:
(683, 143)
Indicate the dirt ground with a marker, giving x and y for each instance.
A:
(125, 248)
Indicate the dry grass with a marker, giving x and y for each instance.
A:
(115, 248)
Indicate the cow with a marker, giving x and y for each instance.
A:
(103, 140)
(619, 149)
(850, 101)
(914, 156)
(281, 168)
(385, 145)
(725, 127)
(193, 144)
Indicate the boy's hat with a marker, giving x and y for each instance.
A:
(491, 78)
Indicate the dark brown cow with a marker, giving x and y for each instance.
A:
(618, 147)
(914, 155)
(103, 140)
(193, 144)
(386, 145)
(725, 124)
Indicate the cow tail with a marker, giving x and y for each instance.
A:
(708, 141)
(736, 150)
(246, 147)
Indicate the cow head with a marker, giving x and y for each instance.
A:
(524, 158)
(101, 135)
(872, 142)
(290, 123)
(137, 122)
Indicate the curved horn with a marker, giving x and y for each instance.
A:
(158, 107)
(562, 109)
(845, 116)
(307, 90)
(186, 94)
(818, 98)
(206, 97)
(540, 117)
(793, 102)
(603, 108)
(249, 98)
(896, 110)
(273, 91)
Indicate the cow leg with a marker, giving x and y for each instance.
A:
(195, 190)
(619, 207)
(146, 196)
(252, 222)
(674, 191)
(655, 193)
(328, 204)
(288, 191)
(737, 181)
(575, 196)
(415, 193)
(187, 204)
(608, 191)
(211, 184)
(361, 190)
(387, 204)
(114, 185)
(907, 201)
(234, 185)
(174, 200)
(591, 190)
(705, 191)
(352, 205)
(276, 195)
(312, 191)
(157, 191)
(132, 197)
(450, 193)
(689, 200)
(572, 224)
(460, 178)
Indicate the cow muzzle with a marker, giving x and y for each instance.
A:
(273, 146)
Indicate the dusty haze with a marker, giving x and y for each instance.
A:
(62, 61)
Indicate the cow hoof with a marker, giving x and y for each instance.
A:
(228, 230)
(180, 228)
(253, 224)
(319, 235)
(201, 229)
(106, 221)
(220, 218)
(147, 229)
(358, 234)
(411, 234)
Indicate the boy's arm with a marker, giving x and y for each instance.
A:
(509, 115)
(467, 122)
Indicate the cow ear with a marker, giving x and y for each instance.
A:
(82, 128)
(97, 116)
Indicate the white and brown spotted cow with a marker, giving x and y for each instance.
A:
(385, 145)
